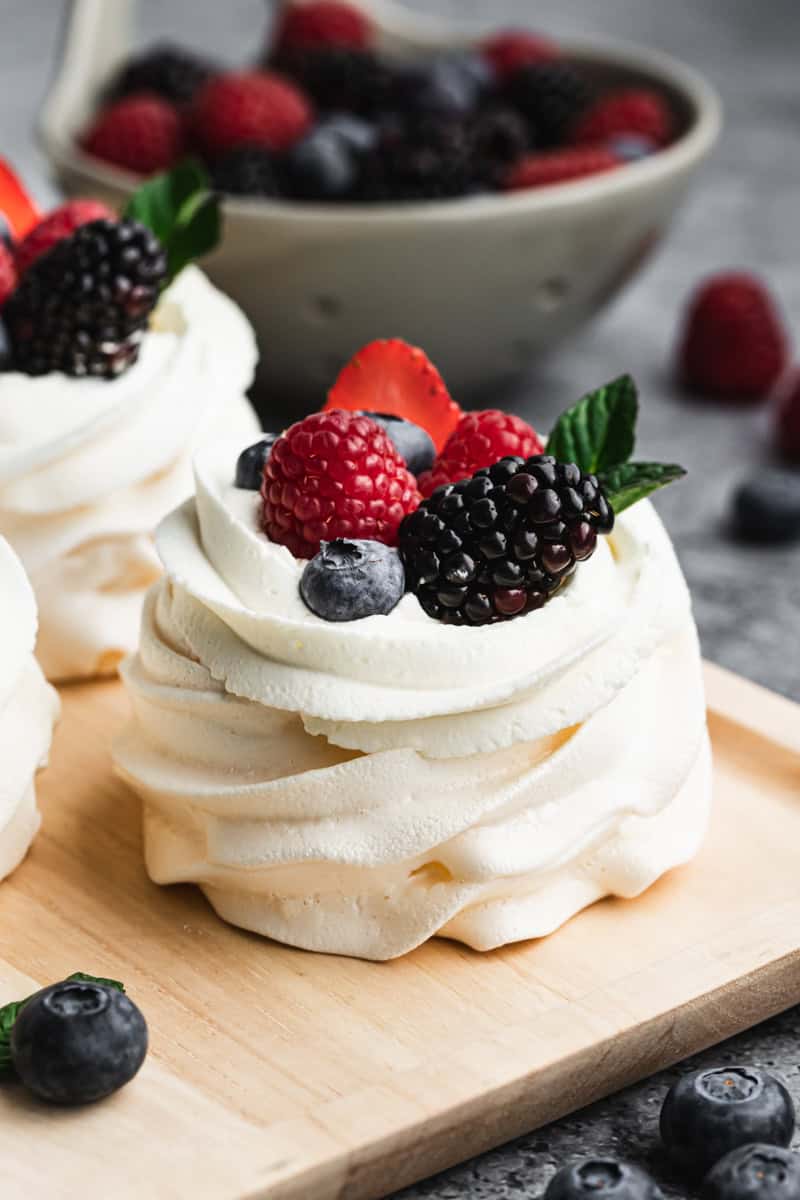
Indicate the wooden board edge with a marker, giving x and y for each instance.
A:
(767, 713)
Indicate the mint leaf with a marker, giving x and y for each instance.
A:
(599, 431)
(628, 482)
(10, 1012)
(182, 211)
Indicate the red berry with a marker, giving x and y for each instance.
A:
(733, 342)
(56, 226)
(142, 133)
(479, 440)
(8, 273)
(639, 111)
(787, 423)
(259, 108)
(323, 23)
(515, 48)
(390, 376)
(559, 166)
(16, 205)
(335, 475)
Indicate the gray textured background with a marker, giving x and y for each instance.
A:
(743, 212)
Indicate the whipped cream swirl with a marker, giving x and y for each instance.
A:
(359, 787)
(89, 467)
(28, 710)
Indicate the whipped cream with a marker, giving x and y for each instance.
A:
(28, 710)
(359, 787)
(89, 467)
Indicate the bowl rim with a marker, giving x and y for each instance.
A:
(700, 96)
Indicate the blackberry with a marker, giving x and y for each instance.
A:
(247, 170)
(81, 308)
(551, 96)
(166, 70)
(422, 158)
(501, 543)
(499, 136)
(338, 78)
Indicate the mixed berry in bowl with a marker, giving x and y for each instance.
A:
(326, 115)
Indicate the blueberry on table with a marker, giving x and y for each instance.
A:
(250, 463)
(350, 579)
(709, 1113)
(76, 1042)
(602, 1176)
(756, 1172)
(414, 443)
(766, 508)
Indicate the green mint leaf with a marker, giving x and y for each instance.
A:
(10, 1012)
(628, 482)
(182, 211)
(599, 431)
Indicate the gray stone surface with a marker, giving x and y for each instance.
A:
(742, 213)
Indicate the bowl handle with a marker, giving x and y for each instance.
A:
(97, 35)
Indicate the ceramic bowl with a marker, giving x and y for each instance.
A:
(482, 283)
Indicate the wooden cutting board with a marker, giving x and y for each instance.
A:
(277, 1073)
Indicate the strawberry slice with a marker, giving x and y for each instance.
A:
(15, 203)
(390, 376)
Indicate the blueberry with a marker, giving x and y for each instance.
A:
(6, 354)
(443, 85)
(250, 463)
(766, 507)
(632, 146)
(414, 443)
(608, 1176)
(351, 579)
(755, 1172)
(76, 1042)
(321, 167)
(710, 1112)
(358, 135)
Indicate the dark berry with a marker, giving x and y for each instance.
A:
(602, 1177)
(709, 1113)
(340, 78)
(357, 134)
(499, 136)
(6, 353)
(350, 579)
(754, 1172)
(551, 96)
(766, 508)
(320, 167)
(521, 524)
(445, 84)
(423, 158)
(247, 170)
(250, 463)
(83, 306)
(414, 443)
(76, 1042)
(167, 70)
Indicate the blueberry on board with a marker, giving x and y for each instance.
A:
(321, 167)
(349, 579)
(250, 463)
(708, 1113)
(755, 1172)
(602, 1176)
(76, 1042)
(413, 442)
(358, 135)
(766, 507)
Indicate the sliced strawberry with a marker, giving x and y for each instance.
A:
(390, 376)
(15, 203)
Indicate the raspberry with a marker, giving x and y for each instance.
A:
(141, 133)
(502, 543)
(249, 107)
(629, 110)
(733, 343)
(514, 48)
(559, 166)
(389, 376)
(787, 418)
(57, 225)
(8, 273)
(551, 96)
(333, 475)
(480, 439)
(323, 23)
(16, 206)
(168, 71)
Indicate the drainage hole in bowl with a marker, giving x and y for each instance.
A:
(324, 307)
(551, 293)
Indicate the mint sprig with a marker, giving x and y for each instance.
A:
(598, 434)
(182, 211)
(9, 1013)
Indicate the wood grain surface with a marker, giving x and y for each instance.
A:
(280, 1074)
